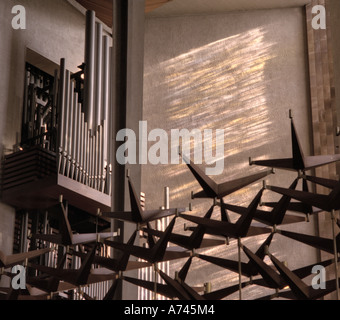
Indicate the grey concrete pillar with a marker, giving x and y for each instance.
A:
(127, 104)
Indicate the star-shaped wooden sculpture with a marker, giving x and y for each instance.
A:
(159, 252)
(195, 240)
(298, 207)
(242, 228)
(285, 277)
(213, 190)
(83, 276)
(183, 291)
(45, 282)
(298, 287)
(320, 243)
(117, 265)
(66, 237)
(248, 269)
(7, 261)
(174, 288)
(276, 216)
(328, 202)
(137, 214)
(113, 289)
(298, 161)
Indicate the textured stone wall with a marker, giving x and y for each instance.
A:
(241, 72)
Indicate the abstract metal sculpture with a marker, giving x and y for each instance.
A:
(137, 214)
(194, 241)
(74, 145)
(213, 190)
(154, 254)
(7, 261)
(298, 161)
(247, 269)
(241, 228)
(66, 236)
(277, 216)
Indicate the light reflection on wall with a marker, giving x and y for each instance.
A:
(220, 85)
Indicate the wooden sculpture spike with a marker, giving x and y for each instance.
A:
(248, 269)
(7, 261)
(182, 274)
(156, 254)
(137, 215)
(323, 244)
(268, 274)
(214, 190)
(298, 162)
(239, 229)
(195, 240)
(298, 287)
(181, 293)
(278, 214)
(162, 289)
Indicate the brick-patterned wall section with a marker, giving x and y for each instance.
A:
(323, 109)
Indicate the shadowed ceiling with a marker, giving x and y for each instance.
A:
(103, 8)
(163, 8)
(191, 7)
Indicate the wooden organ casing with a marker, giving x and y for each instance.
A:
(65, 146)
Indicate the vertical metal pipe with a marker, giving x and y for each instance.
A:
(104, 156)
(239, 268)
(100, 158)
(82, 139)
(70, 129)
(154, 283)
(66, 120)
(75, 126)
(55, 100)
(84, 159)
(65, 110)
(79, 142)
(23, 232)
(335, 254)
(99, 77)
(89, 68)
(90, 158)
(166, 221)
(105, 108)
(166, 198)
(106, 79)
(74, 142)
(96, 167)
(95, 162)
(93, 165)
(87, 164)
(61, 111)
(27, 80)
(31, 110)
(45, 231)
(109, 133)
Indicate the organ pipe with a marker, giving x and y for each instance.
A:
(85, 126)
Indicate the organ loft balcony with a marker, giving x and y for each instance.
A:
(64, 147)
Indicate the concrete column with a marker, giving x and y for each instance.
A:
(127, 103)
